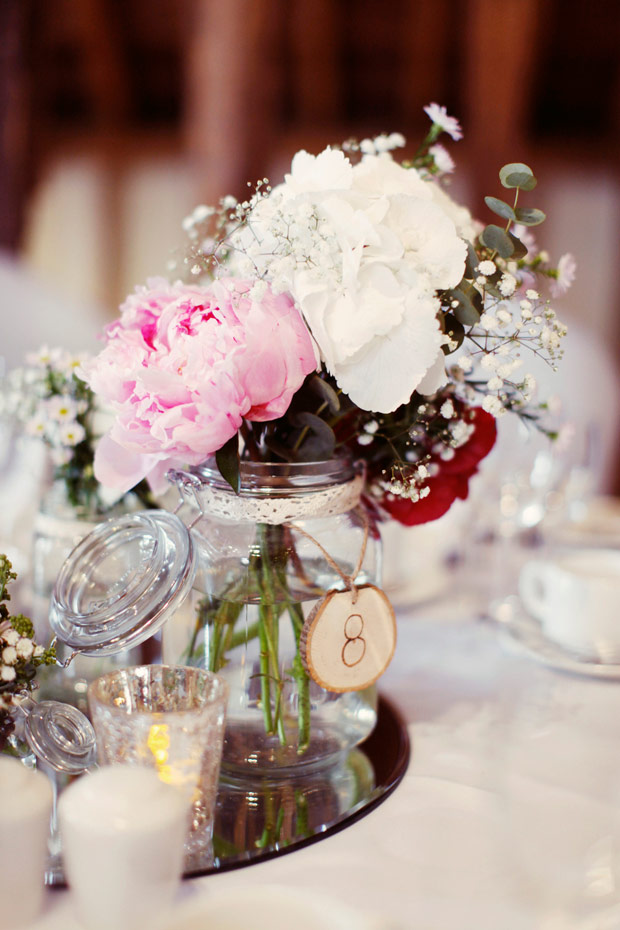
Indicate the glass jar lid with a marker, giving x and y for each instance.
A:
(61, 736)
(122, 582)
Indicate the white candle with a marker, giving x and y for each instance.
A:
(122, 833)
(25, 809)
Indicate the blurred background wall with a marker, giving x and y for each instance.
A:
(118, 116)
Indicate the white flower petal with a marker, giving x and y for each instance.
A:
(406, 353)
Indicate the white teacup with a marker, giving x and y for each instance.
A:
(576, 597)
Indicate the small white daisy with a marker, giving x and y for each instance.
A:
(439, 116)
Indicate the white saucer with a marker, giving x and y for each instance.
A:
(526, 633)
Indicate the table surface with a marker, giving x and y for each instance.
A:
(439, 852)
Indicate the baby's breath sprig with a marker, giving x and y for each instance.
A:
(20, 655)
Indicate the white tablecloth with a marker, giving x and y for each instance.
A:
(441, 851)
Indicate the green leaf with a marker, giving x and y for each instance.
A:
(497, 239)
(469, 306)
(455, 330)
(321, 443)
(516, 174)
(499, 207)
(520, 250)
(227, 461)
(471, 262)
(279, 449)
(326, 392)
(530, 216)
(492, 291)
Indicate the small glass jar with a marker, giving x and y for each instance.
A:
(265, 558)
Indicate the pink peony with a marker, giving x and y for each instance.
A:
(184, 365)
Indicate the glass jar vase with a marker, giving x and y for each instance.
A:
(265, 557)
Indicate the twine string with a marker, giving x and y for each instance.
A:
(349, 580)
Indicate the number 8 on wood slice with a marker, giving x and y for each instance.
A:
(349, 638)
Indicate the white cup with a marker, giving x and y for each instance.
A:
(122, 833)
(576, 598)
(25, 810)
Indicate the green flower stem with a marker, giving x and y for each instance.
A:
(302, 826)
(273, 823)
(265, 678)
(222, 634)
(268, 618)
(208, 613)
(299, 673)
(303, 681)
(266, 582)
(269, 613)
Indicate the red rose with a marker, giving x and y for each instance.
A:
(452, 480)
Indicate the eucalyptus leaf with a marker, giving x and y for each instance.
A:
(500, 207)
(227, 461)
(496, 238)
(326, 392)
(471, 262)
(516, 174)
(530, 216)
(520, 250)
(469, 306)
(279, 449)
(455, 330)
(323, 441)
(492, 290)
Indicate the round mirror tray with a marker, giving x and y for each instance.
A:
(265, 817)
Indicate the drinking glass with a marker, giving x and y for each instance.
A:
(171, 719)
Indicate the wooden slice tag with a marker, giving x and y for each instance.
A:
(347, 645)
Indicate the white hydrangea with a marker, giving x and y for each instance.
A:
(364, 270)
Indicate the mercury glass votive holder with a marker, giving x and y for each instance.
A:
(171, 719)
